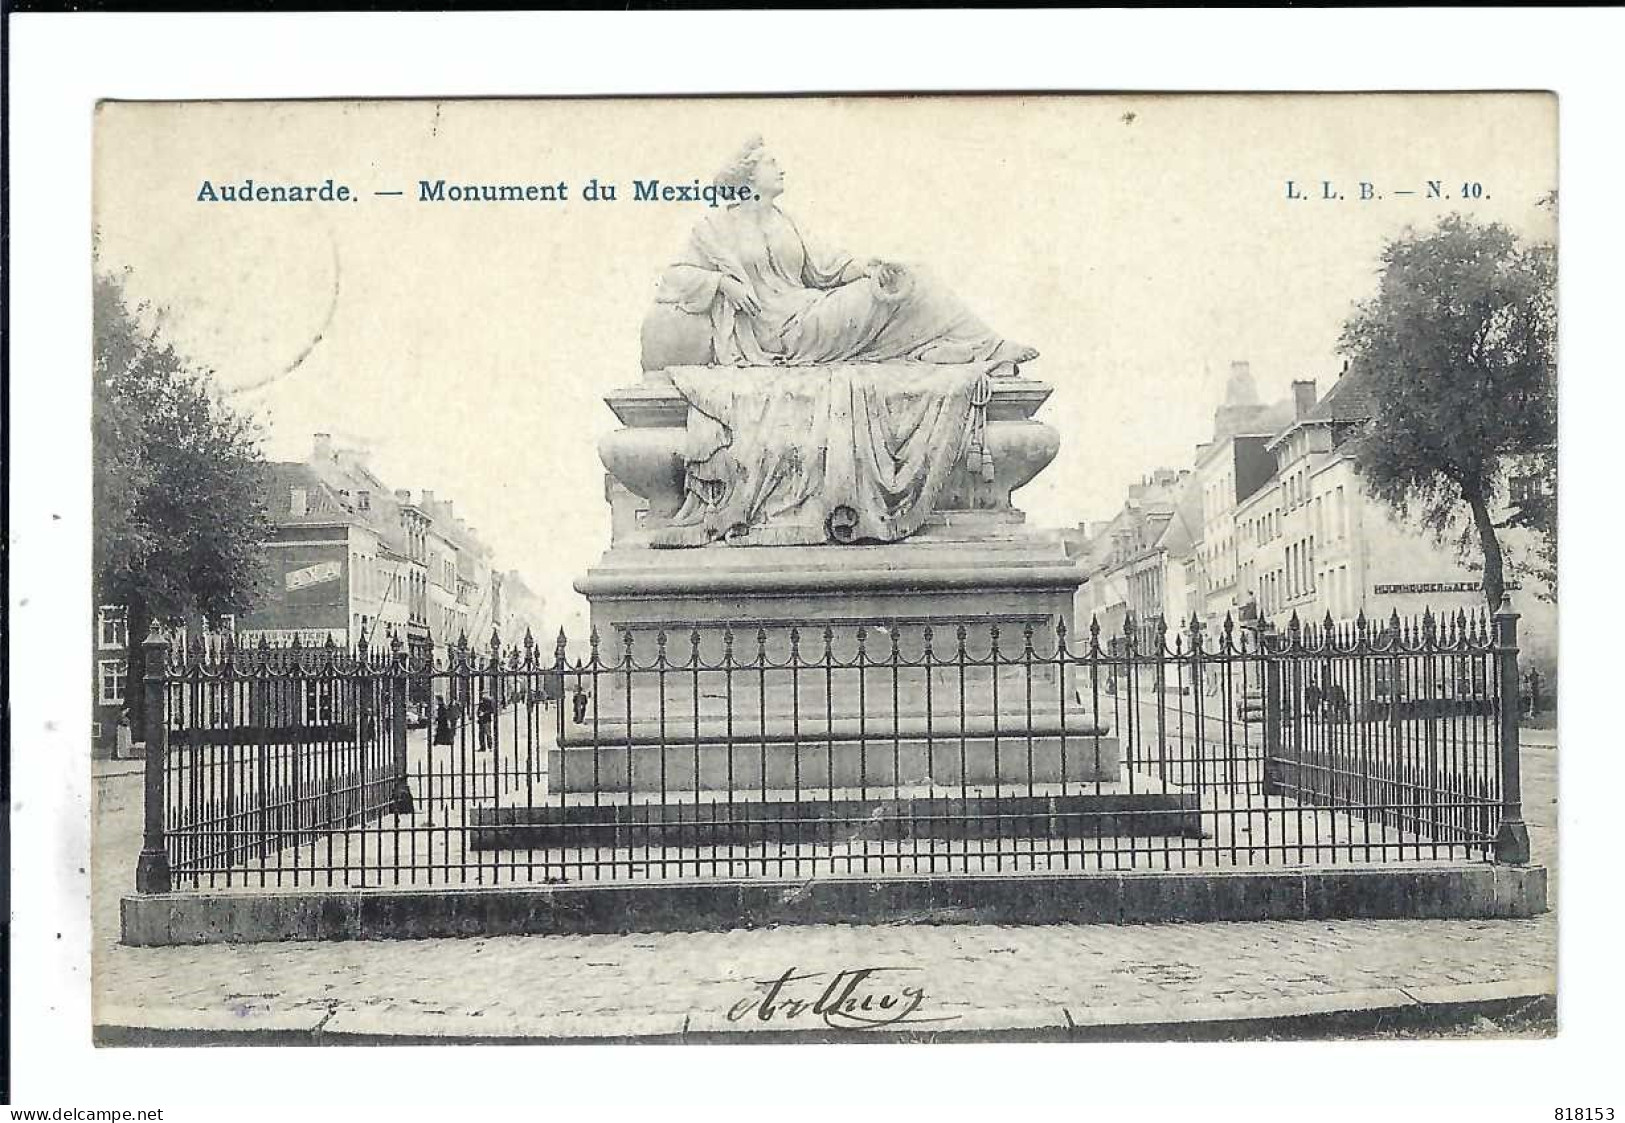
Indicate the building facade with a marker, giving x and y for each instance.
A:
(1283, 526)
(348, 561)
(1134, 562)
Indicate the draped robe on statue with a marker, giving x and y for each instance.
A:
(850, 451)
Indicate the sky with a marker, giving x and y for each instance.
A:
(1141, 242)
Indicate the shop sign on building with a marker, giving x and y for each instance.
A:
(312, 575)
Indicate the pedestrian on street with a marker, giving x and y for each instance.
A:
(123, 743)
(1311, 698)
(1337, 701)
(443, 733)
(486, 715)
(578, 704)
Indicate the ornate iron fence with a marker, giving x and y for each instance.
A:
(864, 748)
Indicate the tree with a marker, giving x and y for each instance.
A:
(177, 485)
(1458, 353)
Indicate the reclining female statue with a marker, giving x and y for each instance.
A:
(878, 404)
(769, 299)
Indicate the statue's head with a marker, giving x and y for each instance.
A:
(754, 167)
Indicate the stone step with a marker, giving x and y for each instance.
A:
(828, 821)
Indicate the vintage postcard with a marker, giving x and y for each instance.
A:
(805, 569)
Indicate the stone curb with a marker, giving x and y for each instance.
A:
(1325, 893)
(1301, 1016)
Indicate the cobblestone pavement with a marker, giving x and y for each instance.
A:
(973, 977)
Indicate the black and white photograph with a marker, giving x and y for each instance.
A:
(960, 571)
(632, 520)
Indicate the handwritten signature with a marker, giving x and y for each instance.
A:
(852, 998)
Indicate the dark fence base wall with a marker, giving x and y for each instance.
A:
(1474, 891)
(825, 822)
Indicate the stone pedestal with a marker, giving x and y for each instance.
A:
(825, 655)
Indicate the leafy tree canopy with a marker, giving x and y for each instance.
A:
(177, 480)
(1458, 353)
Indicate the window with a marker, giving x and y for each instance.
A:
(111, 633)
(1526, 489)
(298, 502)
(318, 706)
(363, 500)
(110, 675)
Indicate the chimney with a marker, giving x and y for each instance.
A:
(1239, 389)
(428, 500)
(403, 496)
(1303, 397)
(322, 447)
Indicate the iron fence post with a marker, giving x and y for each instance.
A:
(1272, 711)
(401, 800)
(152, 867)
(1512, 839)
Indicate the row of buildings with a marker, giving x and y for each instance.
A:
(351, 560)
(1271, 520)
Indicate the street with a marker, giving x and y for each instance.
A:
(981, 978)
